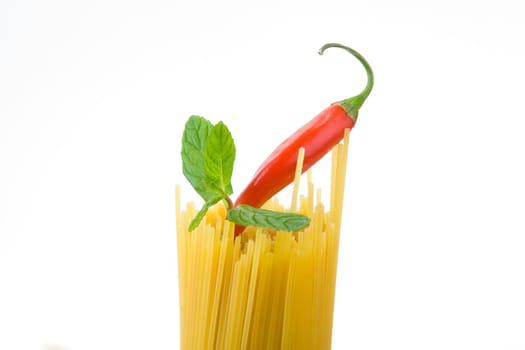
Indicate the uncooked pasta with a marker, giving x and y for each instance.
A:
(263, 289)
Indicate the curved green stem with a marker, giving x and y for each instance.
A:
(228, 202)
(351, 105)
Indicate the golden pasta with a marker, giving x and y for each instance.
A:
(262, 289)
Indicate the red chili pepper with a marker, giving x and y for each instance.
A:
(317, 137)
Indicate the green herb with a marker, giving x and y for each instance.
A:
(208, 154)
(248, 215)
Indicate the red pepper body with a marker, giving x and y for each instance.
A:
(317, 137)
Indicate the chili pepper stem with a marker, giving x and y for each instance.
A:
(351, 105)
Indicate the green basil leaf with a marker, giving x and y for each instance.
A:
(194, 139)
(219, 156)
(250, 216)
(208, 154)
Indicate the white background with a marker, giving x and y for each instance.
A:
(93, 98)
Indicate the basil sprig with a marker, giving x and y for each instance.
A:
(247, 215)
(208, 154)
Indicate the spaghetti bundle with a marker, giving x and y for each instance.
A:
(263, 289)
